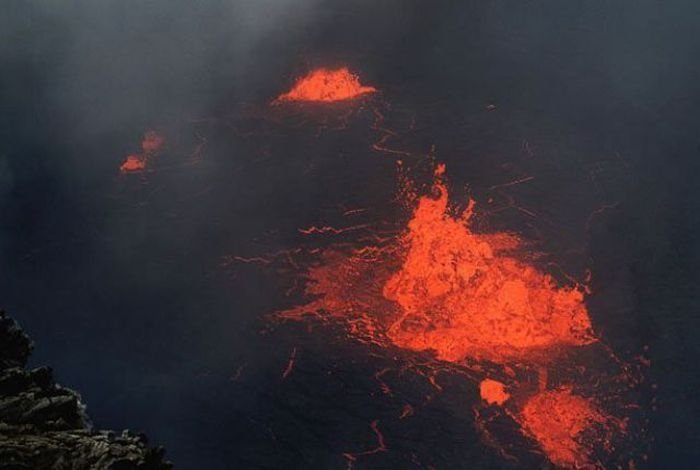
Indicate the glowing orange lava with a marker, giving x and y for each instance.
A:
(327, 85)
(151, 145)
(466, 297)
(133, 163)
(456, 293)
(559, 420)
(493, 392)
(462, 296)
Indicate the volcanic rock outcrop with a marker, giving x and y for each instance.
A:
(44, 426)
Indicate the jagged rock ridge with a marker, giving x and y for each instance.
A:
(44, 425)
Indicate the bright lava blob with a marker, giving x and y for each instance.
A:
(151, 145)
(327, 85)
(493, 392)
(558, 419)
(463, 296)
(133, 163)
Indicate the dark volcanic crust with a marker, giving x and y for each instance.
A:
(44, 426)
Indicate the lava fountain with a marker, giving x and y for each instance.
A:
(462, 296)
(326, 85)
(470, 300)
(457, 293)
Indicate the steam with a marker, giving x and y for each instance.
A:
(120, 62)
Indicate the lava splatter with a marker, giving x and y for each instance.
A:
(472, 300)
(327, 85)
(456, 292)
(151, 145)
(558, 420)
(493, 392)
(469, 298)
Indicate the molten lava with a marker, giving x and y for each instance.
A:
(464, 296)
(559, 420)
(133, 163)
(493, 392)
(327, 85)
(457, 293)
(151, 145)
(461, 296)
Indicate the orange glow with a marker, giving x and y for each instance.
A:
(151, 145)
(457, 293)
(462, 296)
(471, 299)
(558, 419)
(327, 85)
(493, 392)
(152, 142)
(133, 163)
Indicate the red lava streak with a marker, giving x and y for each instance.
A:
(327, 85)
(381, 445)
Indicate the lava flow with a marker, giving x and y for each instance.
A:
(151, 145)
(457, 293)
(463, 297)
(133, 163)
(326, 85)
(466, 297)
(558, 419)
(493, 392)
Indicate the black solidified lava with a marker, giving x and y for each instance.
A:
(44, 426)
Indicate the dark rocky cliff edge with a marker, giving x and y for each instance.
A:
(44, 426)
